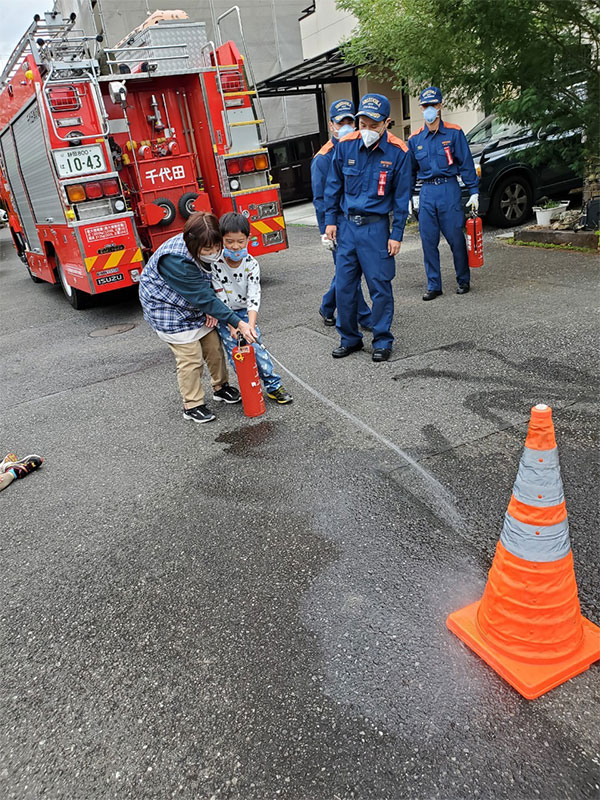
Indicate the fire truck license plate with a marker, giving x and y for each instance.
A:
(79, 161)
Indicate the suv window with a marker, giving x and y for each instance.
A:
(492, 128)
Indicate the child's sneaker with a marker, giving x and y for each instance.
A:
(198, 414)
(280, 395)
(26, 465)
(7, 462)
(227, 393)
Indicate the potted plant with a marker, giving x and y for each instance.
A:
(548, 209)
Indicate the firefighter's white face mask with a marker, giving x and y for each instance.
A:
(369, 137)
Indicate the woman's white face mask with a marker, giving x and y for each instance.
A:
(211, 257)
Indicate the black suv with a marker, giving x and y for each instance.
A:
(509, 184)
(290, 165)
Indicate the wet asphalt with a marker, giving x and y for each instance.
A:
(255, 609)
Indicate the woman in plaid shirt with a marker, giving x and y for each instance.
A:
(180, 305)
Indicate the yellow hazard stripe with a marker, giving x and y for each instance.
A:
(110, 260)
(279, 221)
(114, 259)
(261, 227)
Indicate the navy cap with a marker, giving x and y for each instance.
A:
(375, 106)
(430, 95)
(340, 110)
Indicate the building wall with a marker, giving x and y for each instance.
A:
(326, 28)
(272, 34)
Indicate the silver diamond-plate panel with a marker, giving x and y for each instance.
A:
(192, 34)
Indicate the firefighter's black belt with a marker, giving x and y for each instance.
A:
(365, 219)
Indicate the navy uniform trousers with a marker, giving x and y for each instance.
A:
(329, 303)
(362, 249)
(440, 208)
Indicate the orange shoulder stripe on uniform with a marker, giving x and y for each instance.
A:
(421, 129)
(397, 142)
(353, 135)
(327, 148)
(452, 125)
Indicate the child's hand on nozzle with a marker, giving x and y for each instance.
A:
(246, 332)
(210, 321)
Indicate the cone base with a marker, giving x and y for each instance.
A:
(530, 680)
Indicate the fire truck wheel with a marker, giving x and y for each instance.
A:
(75, 297)
(186, 204)
(33, 277)
(168, 209)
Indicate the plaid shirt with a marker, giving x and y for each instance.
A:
(164, 309)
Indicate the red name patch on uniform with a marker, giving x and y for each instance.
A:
(381, 183)
(449, 158)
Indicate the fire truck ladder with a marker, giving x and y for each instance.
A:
(28, 43)
(69, 58)
(252, 90)
(64, 55)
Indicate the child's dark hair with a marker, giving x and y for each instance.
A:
(234, 223)
(201, 230)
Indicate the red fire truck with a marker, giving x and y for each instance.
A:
(105, 152)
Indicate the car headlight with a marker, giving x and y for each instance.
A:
(478, 169)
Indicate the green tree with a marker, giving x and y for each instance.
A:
(533, 62)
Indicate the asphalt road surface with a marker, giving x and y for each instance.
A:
(255, 609)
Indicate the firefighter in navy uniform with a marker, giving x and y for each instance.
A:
(439, 153)
(370, 177)
(341, 123)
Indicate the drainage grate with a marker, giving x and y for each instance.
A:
(112, 330)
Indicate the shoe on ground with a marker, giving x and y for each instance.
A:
(381, 354)
(26, 465)
(7, 462)
(198, 414)
(280, 395)
(342, 352)
(329, 322)
(227, 394)
(463, 289)
(431, 295)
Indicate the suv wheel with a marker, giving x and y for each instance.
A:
(511, 202)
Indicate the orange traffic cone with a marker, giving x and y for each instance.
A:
(528, 624)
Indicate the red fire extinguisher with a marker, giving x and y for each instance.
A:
(248, 379)
(475, 241)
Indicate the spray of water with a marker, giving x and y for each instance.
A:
(445, 502)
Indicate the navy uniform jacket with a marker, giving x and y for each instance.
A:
(374, 181)
(431, 152)
(318, 176)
